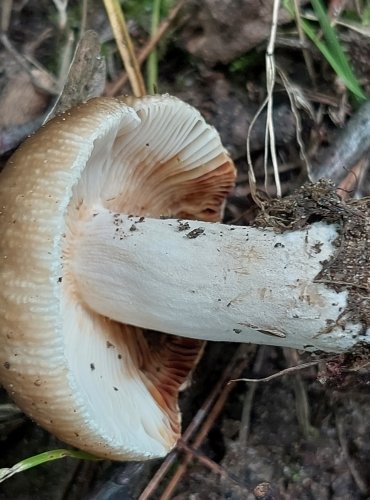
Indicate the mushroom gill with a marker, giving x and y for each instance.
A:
(171, 164)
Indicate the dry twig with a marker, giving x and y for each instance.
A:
(165, 25)
(270, 134)
(248, 400)
(207, 414)
(6, 11)
(352, 183)
(279, 374)
(125, 46)
(251, 174)
(293, 99)
(270, 83)
(301, 398)
(211, 464)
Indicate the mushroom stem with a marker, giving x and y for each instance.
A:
(212, 281)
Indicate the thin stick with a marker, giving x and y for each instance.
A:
(352, 183)
(298, 127)
(83, 21)
(195, 423)
(6, 12)
(301, 398)
(125, 46)
(211, 464)
(251, 175)
(152, 68)
(248, 400)
(181, 469)
(270, 84)
(153, 41)
(206, 427)
(291, 369)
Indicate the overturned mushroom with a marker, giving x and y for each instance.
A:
(82, 260)
(103, 386)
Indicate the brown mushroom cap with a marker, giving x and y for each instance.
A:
(108, 388)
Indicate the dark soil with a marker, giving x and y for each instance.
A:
(305, 434)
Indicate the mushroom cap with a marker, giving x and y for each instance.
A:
(104, 387)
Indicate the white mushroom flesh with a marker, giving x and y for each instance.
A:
(213, 282)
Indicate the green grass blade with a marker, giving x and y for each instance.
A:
(330, 48)
(337, 55)
(152, 68)
(42, 458)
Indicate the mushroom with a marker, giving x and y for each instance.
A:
(91, 257)
(100, 385)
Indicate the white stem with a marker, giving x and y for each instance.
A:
(212, 281)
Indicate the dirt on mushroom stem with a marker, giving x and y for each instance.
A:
(349, 269)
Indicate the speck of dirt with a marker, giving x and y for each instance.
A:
(263, 491)
(237, 330)
(183, 226)
(115, 388)
(109, 344)
(7, 365)
(272, 333)
(133, 228)
(195, 233)
(317, 247)
(92, 367)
